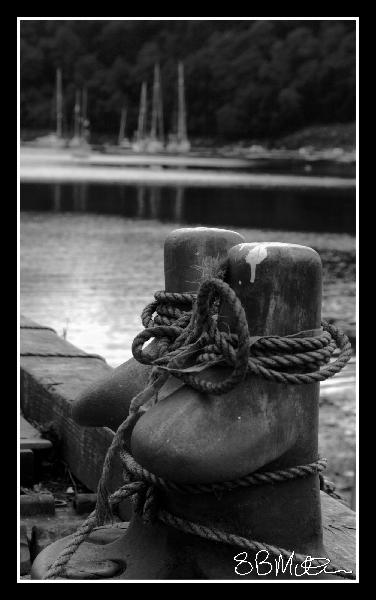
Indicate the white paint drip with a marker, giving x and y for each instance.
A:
(259, 253)
(255, 257)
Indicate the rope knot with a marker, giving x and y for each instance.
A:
(215, 330)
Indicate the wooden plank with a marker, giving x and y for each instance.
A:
(50, 385)
(83, 449)
(26, 323)
(40, 341)
(37, 504)
(30, 438)
(339, 530)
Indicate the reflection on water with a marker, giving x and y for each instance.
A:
(331, 210)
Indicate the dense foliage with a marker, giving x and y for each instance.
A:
(244, 79)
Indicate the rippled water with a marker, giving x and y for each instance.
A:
(90, 275)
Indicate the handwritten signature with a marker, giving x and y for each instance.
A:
(264, 567)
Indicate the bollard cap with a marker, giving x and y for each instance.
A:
(279, 286)
(185, 251)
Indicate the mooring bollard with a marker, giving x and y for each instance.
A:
(106, 403)
(258, 425)
(279, 286)
(224, 461)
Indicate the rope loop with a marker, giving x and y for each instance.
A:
(182, 324)
(162, 332)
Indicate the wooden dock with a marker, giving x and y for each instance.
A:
(54, 372)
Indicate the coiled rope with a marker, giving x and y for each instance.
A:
(185, 327)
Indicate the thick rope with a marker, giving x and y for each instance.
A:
(139, 473)
(290, 360)
(188, 326)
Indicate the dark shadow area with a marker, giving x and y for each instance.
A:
(326, 210)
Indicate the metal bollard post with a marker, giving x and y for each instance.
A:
(106, 403)
(194, 438)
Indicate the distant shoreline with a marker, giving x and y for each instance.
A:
(40, 173)
(335, 141)
(60, 165)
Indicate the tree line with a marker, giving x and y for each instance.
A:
(243, 79)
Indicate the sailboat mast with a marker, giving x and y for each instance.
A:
(182, 125)
(84, 119)
(59, 104)
(157, 129)
(160, 108)
(123, 120)
(84, 104)
(142, 113)
(77, 112)
(154, 110)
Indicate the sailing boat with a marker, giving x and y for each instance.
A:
(55, 140)
(178, 142)
(139, 144)
(76, 139)
(123, 141)
(59, 105)
(80, 139)
(155, 142)
(85, 123)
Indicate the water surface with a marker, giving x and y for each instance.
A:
(90, 275)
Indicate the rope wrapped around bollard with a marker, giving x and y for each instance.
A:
(263, 356)
(189, 337)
